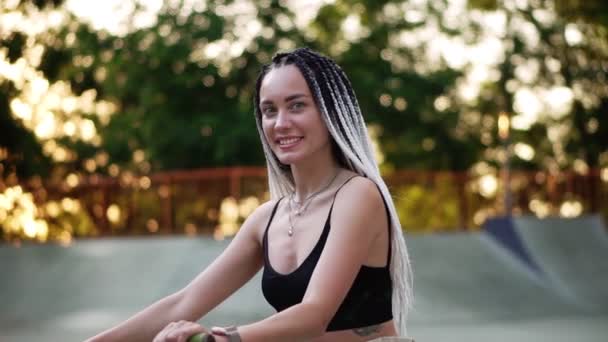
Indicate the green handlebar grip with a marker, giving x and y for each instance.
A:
(202, 337)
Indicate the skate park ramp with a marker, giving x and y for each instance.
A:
(463, 278)
(468, 287)
(56, 293)
(572, 254)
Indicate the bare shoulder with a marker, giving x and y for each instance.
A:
(265, 209)
(256, 222)
(360, 192)
(359, 199)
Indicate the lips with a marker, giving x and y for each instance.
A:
(288, 142)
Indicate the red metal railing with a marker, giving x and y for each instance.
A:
(175, 201)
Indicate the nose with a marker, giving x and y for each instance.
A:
(283, 121)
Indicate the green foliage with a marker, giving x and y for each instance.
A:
(426, 209)
(407, 118)
(148, 208)
(183, 112)
(25, 157)
(78, 224)
(184, 109)
(595, 11)
(488, 5)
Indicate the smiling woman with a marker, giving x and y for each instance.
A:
(335, 265)
(290, 119)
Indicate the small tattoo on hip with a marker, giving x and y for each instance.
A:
(366, 331)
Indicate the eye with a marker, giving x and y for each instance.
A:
(268, 111)
(297, 106)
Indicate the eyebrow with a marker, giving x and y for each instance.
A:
(287, 99)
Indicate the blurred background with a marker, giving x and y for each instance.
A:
(135, 118)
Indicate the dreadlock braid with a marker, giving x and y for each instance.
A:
(339, 108)
(346, 125)
(330, 67)
(340, 120)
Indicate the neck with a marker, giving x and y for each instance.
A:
(311, 177)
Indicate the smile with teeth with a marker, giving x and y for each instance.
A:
(289, 141)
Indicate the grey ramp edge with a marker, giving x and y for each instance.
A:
(573, 254)
(95, 284)
(106, 274)
(120, 276)
(469, 278)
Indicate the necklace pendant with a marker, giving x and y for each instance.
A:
(290, 231)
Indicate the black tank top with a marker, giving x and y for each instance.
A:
(368, 302)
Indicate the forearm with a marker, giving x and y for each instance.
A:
(299, 323)
(144, 325)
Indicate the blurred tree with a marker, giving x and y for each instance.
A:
(595, 11)
(184, 86)
(397, 91)
(21, 152)
(432, 77)
(180, 90)
(553, 79)
(417, 206)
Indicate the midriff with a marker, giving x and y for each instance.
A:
(386, 329)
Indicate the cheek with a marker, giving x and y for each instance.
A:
(326, 138)
(323, 134)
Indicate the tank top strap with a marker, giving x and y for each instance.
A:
(274, 210)
(326, 227)
(336, 193)
(388, 217)
(390, 230)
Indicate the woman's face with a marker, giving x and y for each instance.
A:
(291, 121)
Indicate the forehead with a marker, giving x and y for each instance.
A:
(282, 82)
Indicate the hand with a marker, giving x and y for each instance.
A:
(220, 334)
(178, 332)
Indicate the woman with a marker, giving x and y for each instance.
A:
(335, 263)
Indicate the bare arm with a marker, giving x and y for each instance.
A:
(357, 211)
(234, 267)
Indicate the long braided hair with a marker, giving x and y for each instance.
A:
(335, 98)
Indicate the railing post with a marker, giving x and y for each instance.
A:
(101, 214)
(461, 183)
(166, 195)
(235, 182)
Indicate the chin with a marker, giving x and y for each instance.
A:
(288, 160)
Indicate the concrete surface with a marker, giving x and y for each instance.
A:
(468, 286)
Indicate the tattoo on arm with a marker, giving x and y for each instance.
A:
(366, 331)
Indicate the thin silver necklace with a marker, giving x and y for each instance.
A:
(302, 206)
